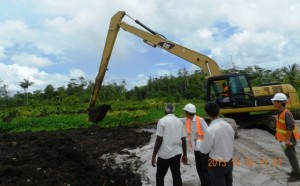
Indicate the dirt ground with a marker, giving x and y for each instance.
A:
(121, 156)
(73, 157)
(258, 161)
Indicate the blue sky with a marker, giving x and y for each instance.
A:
(50, 42)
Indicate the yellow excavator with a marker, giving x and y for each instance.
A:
(238, 102)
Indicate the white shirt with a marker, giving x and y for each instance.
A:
(218, 140)
(194, 131)
(172, 130)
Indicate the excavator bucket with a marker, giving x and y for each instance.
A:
(98, 114)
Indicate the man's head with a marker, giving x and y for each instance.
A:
(224, 84)
(212, 109)
(169, 108)
(279, 99)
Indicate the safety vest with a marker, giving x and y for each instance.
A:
(188, 129)
(281, 131)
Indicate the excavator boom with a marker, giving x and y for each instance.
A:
(109, 45)
(207, 64)
(151, 38)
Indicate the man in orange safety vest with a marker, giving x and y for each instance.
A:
(225, 93)
(195, 130)
(287, 133)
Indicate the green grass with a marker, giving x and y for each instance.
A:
(121, 114)
(48, 123)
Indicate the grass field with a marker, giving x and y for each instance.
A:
(122, 113)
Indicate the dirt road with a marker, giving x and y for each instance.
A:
(258, 161)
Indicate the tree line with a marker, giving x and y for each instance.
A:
(184, 85)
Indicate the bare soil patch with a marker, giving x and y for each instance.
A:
(70, 157)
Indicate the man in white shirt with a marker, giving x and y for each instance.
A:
(169, 145)
(195, 129)
(218, 142)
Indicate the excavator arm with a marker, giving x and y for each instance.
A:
(207, 64)
(151, 38)
(109, 44)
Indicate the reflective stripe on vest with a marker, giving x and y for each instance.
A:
(188, 129)
(281, 132)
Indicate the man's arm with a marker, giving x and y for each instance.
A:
(289, 121)
(157, 145)
(288, 138)
(207, 143)
(184, 155)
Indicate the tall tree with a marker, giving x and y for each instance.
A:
(25, 85)
(76, 87)
(4, 94)
(49, 92)
(291, 73)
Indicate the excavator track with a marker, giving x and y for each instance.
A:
(266, 121)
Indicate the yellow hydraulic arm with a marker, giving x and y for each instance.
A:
(154, 39)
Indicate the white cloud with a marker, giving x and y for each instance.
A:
(140, 81)
(31, 60)
(14, 32)
(162, 64)
(76, 73)
(12, 75)
(2, 54)
(205, 33)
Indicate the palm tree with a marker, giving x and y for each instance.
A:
(291, 73)
(25, 84)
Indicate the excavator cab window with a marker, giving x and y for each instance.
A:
(230, 91)
(241, 93)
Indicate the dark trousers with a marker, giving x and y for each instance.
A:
(202, 167)
(290, 153)
(220, 173)
(162, 169)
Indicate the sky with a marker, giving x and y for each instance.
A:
(52, 42)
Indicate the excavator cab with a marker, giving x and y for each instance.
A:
(230, 91)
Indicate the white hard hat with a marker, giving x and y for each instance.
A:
(190, 108)
(279, 97)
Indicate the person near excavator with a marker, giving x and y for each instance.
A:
(287, 133)
(218, 143)
(195, 129)
(225, 93)
(225, 90)
(170, 144)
